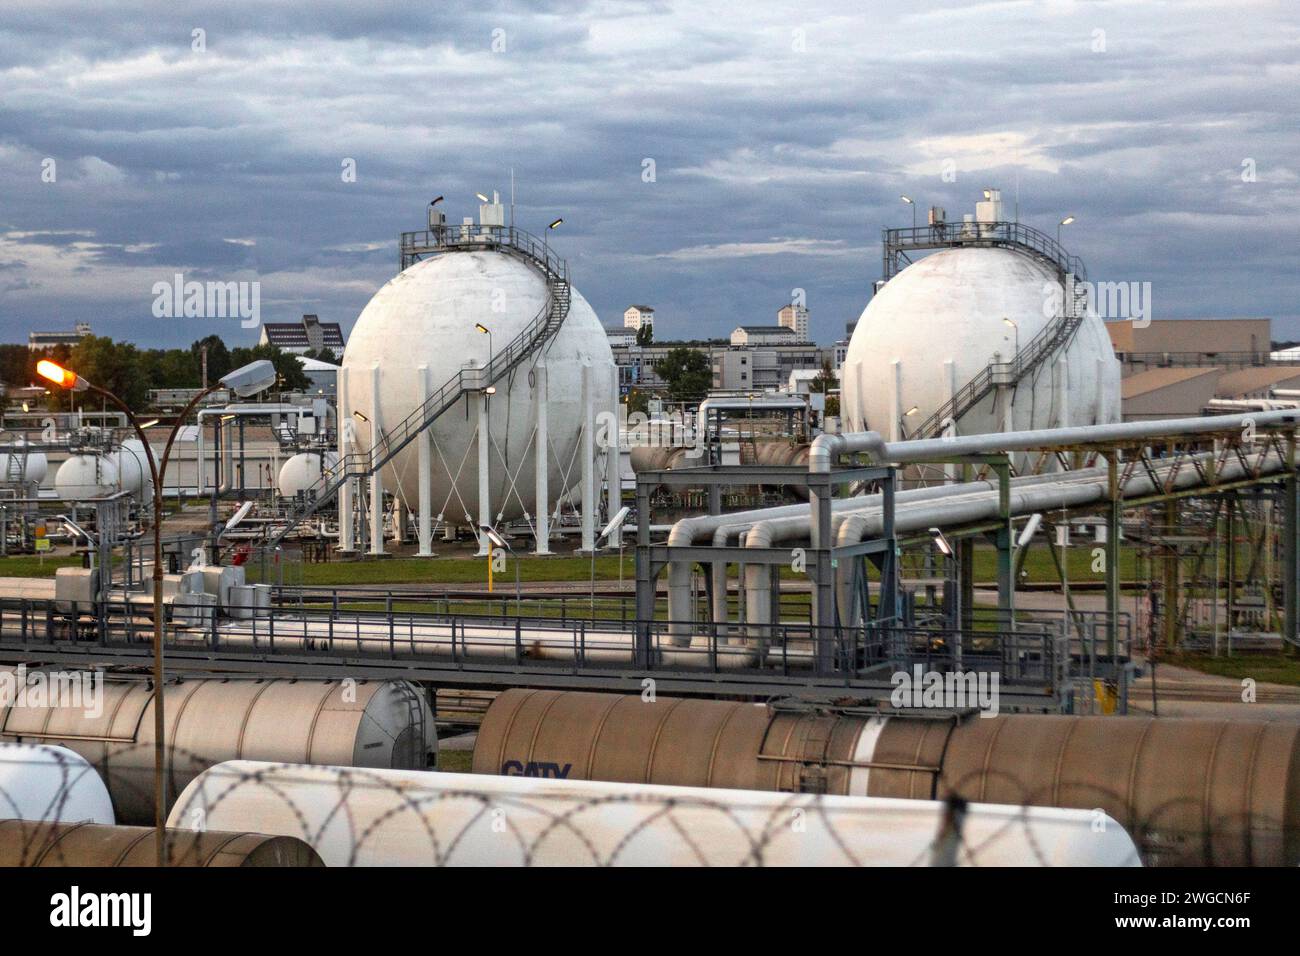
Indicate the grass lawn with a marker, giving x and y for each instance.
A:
(1270, 668)
(451, 571)
(455, 761)
(34, 566)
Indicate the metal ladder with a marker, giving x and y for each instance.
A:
(534, 337)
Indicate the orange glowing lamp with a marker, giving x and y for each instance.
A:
(61, 376)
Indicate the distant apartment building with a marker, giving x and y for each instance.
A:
(310, 334)
(753, 335)
(40, 341)
(795, 318)
(735, 368)
(638, 317)
(841, 346)
(764, 368)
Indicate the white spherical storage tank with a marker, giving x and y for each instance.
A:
(53, 784)
(427, 316)
(303, 471)
(355, 817)
(941, 321)
(86, 476)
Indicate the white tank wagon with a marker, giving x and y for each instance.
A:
(303, 471)
(421, 329)
(39, 782)
(402, 818)
(941, 321)
(357, 723)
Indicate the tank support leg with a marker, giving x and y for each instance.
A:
(588, 460)
(484, 499)
(425, 477)
(541, 454)
(376, 478)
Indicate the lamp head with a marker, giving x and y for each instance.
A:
(63, 377)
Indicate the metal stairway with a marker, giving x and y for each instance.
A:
(532, 338)
(1053, 337)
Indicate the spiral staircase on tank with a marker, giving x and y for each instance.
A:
(1052, 338)
(467, 381)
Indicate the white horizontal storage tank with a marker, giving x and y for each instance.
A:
(132, 463)
(86, 476)
(402, 818)
(50, 784)
(303, 471)
(23, 466)
(426, 316)
(937, 324)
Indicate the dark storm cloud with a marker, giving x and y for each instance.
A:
(782, 136)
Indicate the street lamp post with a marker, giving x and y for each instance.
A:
(554, 224)
(248, 380)
(484, 330)
(1064, 222)
(911, 202)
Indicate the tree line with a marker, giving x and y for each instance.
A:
(129, 372)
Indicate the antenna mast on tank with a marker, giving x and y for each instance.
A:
(512, 198)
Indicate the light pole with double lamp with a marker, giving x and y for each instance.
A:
(248, 380)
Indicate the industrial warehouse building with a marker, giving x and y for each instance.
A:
(1176, 368)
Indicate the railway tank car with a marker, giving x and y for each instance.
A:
(1190, 791)
(356, 723)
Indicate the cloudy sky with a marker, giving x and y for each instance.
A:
(781, 136)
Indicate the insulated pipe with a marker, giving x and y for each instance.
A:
(227, 450)
(826, 448)
(687, 532)
(1063, 493)
(781, 527)
(1259, 404)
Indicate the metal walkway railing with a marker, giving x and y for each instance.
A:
(1050, 339)
(531, 338)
